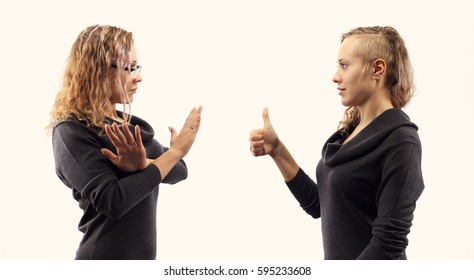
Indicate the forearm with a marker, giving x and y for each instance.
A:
(166, 162)
(389, 240)
(285, 162)
(305, 190)
(115, 197)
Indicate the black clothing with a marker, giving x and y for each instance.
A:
(366, 189)
(119, 220)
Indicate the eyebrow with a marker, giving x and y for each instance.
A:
(343, 60)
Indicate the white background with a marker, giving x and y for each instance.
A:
(235, 58)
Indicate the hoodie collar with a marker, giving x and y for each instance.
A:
(146, 129)
(335, 153)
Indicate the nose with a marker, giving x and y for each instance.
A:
(138, 78)
(336, 78)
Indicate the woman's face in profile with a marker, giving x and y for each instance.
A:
(123, 94)
(353, 83)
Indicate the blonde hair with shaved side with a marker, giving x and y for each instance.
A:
(382, 43)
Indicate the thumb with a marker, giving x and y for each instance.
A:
(109, 154)
(173, 132)
(266, 118)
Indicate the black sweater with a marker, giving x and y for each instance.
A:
(366, 189)
(119, 220)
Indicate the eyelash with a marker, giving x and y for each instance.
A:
(131, 68)
(343, 66)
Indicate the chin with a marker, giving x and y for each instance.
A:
(348, 102)
(345, 103)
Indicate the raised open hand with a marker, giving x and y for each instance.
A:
(264, 141)
(181, 143)
(131, 154)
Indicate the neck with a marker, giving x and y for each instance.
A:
(111, 112)
(374, 107)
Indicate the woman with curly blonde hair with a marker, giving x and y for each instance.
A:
(114, 176)
(369, 177)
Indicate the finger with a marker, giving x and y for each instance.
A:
(257, 143)
(109, 154)
(113, 138)
(119, 133)
(197, 118)
(138, 135)
(266, 118)
(199, 109)
(256, 134)
(128, 134)
(190, 117)
(257, 151)
(189, 123)
(256, 148)
(194, 118)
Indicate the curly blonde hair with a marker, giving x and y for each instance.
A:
(385, 43)
(90, 73)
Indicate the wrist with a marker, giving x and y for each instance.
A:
(144, 164)
(277, 149)
(174, 154)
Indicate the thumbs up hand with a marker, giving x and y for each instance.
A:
(264, 141)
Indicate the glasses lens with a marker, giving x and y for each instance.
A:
(136, 71)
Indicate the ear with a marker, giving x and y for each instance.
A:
(378, 69)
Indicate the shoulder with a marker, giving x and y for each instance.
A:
(405, 134)
(398, 127)
(403, 140)
(73, 128)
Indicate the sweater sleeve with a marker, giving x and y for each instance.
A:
(401, 186)
(305, 190)
(81, 165)
(178, 173)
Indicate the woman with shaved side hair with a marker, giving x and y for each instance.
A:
(369, 177)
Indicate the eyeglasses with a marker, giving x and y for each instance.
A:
(134, 70)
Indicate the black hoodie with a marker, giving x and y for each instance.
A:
(366, 189)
